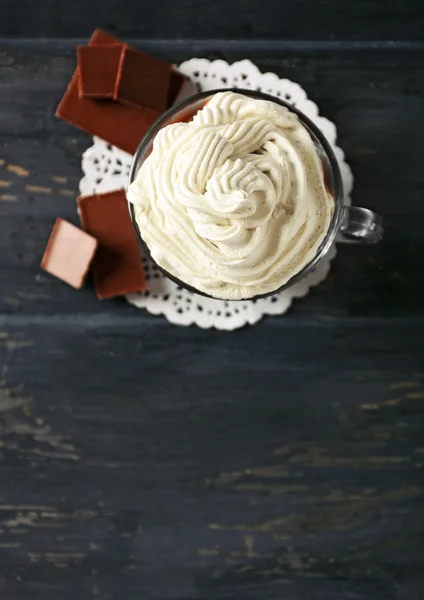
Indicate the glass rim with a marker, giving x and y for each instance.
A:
(338, 194)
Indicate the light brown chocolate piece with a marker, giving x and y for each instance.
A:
(69, 253)
(119, 124)
(117, 266)
(98, 69)
(143, 80)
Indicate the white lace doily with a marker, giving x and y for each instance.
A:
(106, 168)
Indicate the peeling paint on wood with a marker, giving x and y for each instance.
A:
(415, 395)
(38, 189)
(16, 344)
(18, 170)
(403, 385)
(7, 402)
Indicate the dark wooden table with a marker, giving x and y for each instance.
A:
(139, 460)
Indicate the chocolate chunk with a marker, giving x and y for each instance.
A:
(69, 253)
(117, 266)
(175, 85)
(187, 89)
(119, 124)
(98, 69)
(143, 80)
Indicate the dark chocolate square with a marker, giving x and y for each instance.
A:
(98, 69)
(143, 80)
(117, 266)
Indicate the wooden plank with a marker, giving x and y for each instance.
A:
(288, 19)
(147, 460)
(375, 97)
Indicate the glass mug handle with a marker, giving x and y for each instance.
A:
(360, 225)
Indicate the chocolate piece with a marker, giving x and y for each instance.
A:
(175, 85)
(69, 253)
(117, 266)
(98, 69)
(119, 124)
(143, 80)
(187, 89)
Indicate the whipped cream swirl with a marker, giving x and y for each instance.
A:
(233, 203)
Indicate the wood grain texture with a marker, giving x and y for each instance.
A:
(146, 460)
(238, 19)
(143, 460)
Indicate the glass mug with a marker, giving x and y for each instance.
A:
(349, 224)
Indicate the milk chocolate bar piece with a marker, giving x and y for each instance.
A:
(176, 83)
(117, 266)
(187, 89)
(119, 124)
(98, 69)
(69, 253)
(143, 80)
